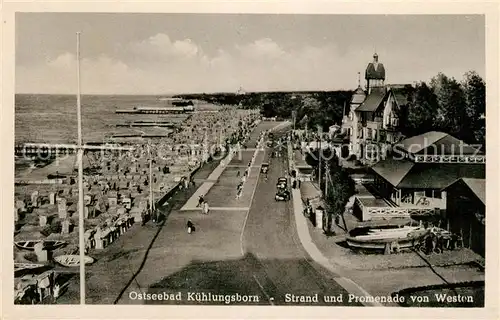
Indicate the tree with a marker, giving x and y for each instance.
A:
(474, 89)
(419, 116)
(309, 107)
(452, 112)
(340, 188)
(267, 110)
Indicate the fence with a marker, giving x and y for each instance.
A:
(387, 212)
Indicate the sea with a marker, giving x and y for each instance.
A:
(47, 118)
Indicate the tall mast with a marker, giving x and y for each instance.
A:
(320, 153)
(151, 201)
(81, 220)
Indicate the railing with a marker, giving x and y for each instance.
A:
(40, 181)
(392, 212)
(450, 159)
(397, 211)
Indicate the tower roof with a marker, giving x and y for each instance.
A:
(375, 70)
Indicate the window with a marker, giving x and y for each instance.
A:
(394, 122)
(351, 115)
(369, 133)
(374, 134)
(436, 194)
(382, 135)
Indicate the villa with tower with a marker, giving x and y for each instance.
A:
(371, 122)
(414, 176)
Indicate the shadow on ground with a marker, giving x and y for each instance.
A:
(242, 282)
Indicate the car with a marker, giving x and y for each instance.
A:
(264, 168)
(282, 183)
(282, 195)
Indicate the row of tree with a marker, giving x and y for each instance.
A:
(323, 108)
(443, 104)
(447, 105)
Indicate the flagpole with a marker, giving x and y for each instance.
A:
(81, 221)
(151, 201)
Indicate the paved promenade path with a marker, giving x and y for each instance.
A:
(228, 164)
(210, 258)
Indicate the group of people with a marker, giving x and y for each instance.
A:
(246, 174)
(204, 210)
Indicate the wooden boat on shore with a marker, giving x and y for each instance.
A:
(378, 239)
(20, 266)
(47, 244)
(72, 260)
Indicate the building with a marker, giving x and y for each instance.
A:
(465, 213)
(421, 166)
(241, 91)
(371, 123)
(412, 179)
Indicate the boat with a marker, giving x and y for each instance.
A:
(72, 260)
(19, 266)
(403, 231)
(47, 244)
(378, 239)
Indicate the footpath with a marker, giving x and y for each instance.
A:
(192, 203)
(311, 248)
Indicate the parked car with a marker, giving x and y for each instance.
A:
(282, 183)
(282, 195)
(264, 168)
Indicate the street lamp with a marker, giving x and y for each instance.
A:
(320, 153)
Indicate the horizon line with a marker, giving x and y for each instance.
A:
(183, 93)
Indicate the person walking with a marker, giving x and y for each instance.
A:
(239, 190)
(205, 207)
(238, 174)
(200, 200)
(57, 291)
(190, 227)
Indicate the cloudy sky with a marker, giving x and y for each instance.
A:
(173, 53)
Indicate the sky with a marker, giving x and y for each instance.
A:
(143, 53)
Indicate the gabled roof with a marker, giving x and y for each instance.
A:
(408, 175)
(400, 96)
(393, 170)
(436, 143)
(373, 100)
(416, 144)
(477, 186)
(439, 175)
